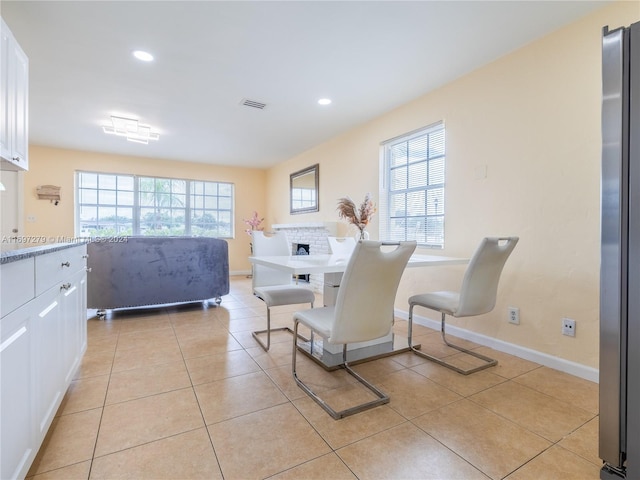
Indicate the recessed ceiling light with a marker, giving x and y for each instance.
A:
(142, 55)
(324, 101)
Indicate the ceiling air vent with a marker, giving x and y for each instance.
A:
(253, 104)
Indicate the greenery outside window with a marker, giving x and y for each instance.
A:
(114, 204)
(412, 188)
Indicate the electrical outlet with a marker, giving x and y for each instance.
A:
(514, 315)
(569, 327)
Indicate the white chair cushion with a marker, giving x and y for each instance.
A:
(444, 301)
(284, 295)
(318, 319)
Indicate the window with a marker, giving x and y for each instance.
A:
(412, 191)
(112, 204)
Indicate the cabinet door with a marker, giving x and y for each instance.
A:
(49, 375)
(20, 108)
(5, 114)
(14, 103)
(17, 429)
(74, 315)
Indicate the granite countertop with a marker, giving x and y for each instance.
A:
(14, 251)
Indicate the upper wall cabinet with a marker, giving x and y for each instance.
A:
(14, 103)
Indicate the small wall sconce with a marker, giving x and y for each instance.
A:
(49, 192)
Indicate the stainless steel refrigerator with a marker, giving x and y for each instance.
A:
(619, 443)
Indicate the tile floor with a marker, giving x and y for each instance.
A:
(186, 393)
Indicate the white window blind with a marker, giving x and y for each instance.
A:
(412, 187)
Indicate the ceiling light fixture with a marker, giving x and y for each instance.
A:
(131, 129)
(142, 55)
(324, 101)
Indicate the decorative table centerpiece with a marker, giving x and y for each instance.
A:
(358, 216)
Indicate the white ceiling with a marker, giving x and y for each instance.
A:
(368, 56)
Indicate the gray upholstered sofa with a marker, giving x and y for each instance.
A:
(130, 272)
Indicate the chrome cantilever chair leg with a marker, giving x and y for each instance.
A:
(489, 362)
(381, 400)
(268, 330)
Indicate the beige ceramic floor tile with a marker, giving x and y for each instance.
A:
(277, 336)
(339, 433)
(576, 391)
(464, 385)
(98, 328)
(247, 324)
(233, 302)
(208, 345)
(222, 365)
(327, 466)
(160, 337)
(535, 411)
(70, 440)
(317, 377)
(432, 344)
(98, 343)
(375, 370)
(413, 395)
(194, 327)
(279, 354)
(94, 364)
(77, 471)
(128, 424)
(405, 452)
(146, 356)
(185, 456)
(145, 381)
(144, 321)
(227, 317)
(283, 378)
(509, 366)
(409, 359)
(557, 463)
(584, 442)
(248, 448)
(347, 396)
(84, 394)
(492, 444)
(247, 341)
(231, 397)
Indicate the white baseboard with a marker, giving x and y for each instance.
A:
(239, 272)
(566, 366)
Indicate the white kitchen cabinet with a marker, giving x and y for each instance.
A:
(17, 425)
(41, 345)
(14, 102)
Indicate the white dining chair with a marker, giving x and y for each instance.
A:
(273, 286)
(341, 245)
(363, 311)
(477, 295)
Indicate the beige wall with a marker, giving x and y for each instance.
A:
(532, 119)
(57, 167)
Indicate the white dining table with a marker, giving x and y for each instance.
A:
(303, 264)
(332, 267)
